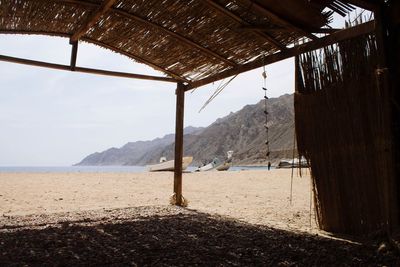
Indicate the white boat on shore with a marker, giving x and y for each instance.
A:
(292, 163)
(169, 165)
(217, 164)
(210, 166)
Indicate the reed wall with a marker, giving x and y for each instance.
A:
(343, 127)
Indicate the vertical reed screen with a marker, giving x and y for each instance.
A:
(343, 128)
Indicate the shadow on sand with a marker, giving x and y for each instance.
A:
(184, 239)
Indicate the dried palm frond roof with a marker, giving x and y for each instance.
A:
(187, 40)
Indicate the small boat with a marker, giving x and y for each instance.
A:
(292, 163)
(224, 166)
(165, 165)
(217, 164)
(210, 166)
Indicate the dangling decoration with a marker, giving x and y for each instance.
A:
(268, 152)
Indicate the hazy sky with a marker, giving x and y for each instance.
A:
(50, 117)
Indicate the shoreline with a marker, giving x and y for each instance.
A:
(108, 169)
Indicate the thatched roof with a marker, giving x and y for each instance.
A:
(188, 40)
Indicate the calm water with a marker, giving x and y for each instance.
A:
(244, 168)
(102, 169)
(119, 169)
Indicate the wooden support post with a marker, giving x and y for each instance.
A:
(180, 105)
(74, 54)
(388, 85)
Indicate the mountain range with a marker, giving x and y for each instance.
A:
(242, 131)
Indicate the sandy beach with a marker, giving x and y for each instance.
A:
(241, 218)
(258, 197)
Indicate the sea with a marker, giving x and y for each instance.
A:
(101, 169)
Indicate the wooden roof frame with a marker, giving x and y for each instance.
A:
(333, 38)
(284, 52)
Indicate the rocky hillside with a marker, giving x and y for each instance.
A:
(134, 153)
(242, 131)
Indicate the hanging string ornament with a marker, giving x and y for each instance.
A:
(264, 88)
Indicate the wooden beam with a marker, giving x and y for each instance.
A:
(326, 30)
(333, 38)
(74, 54)
(279, 19)
(180, 105)
(84, 70)
(114, 49)
(93, 19)
(244, 23)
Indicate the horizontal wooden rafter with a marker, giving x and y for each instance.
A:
(114, 49)
(84, 70)
(333, 38)
(93, 19)
(241, 21)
